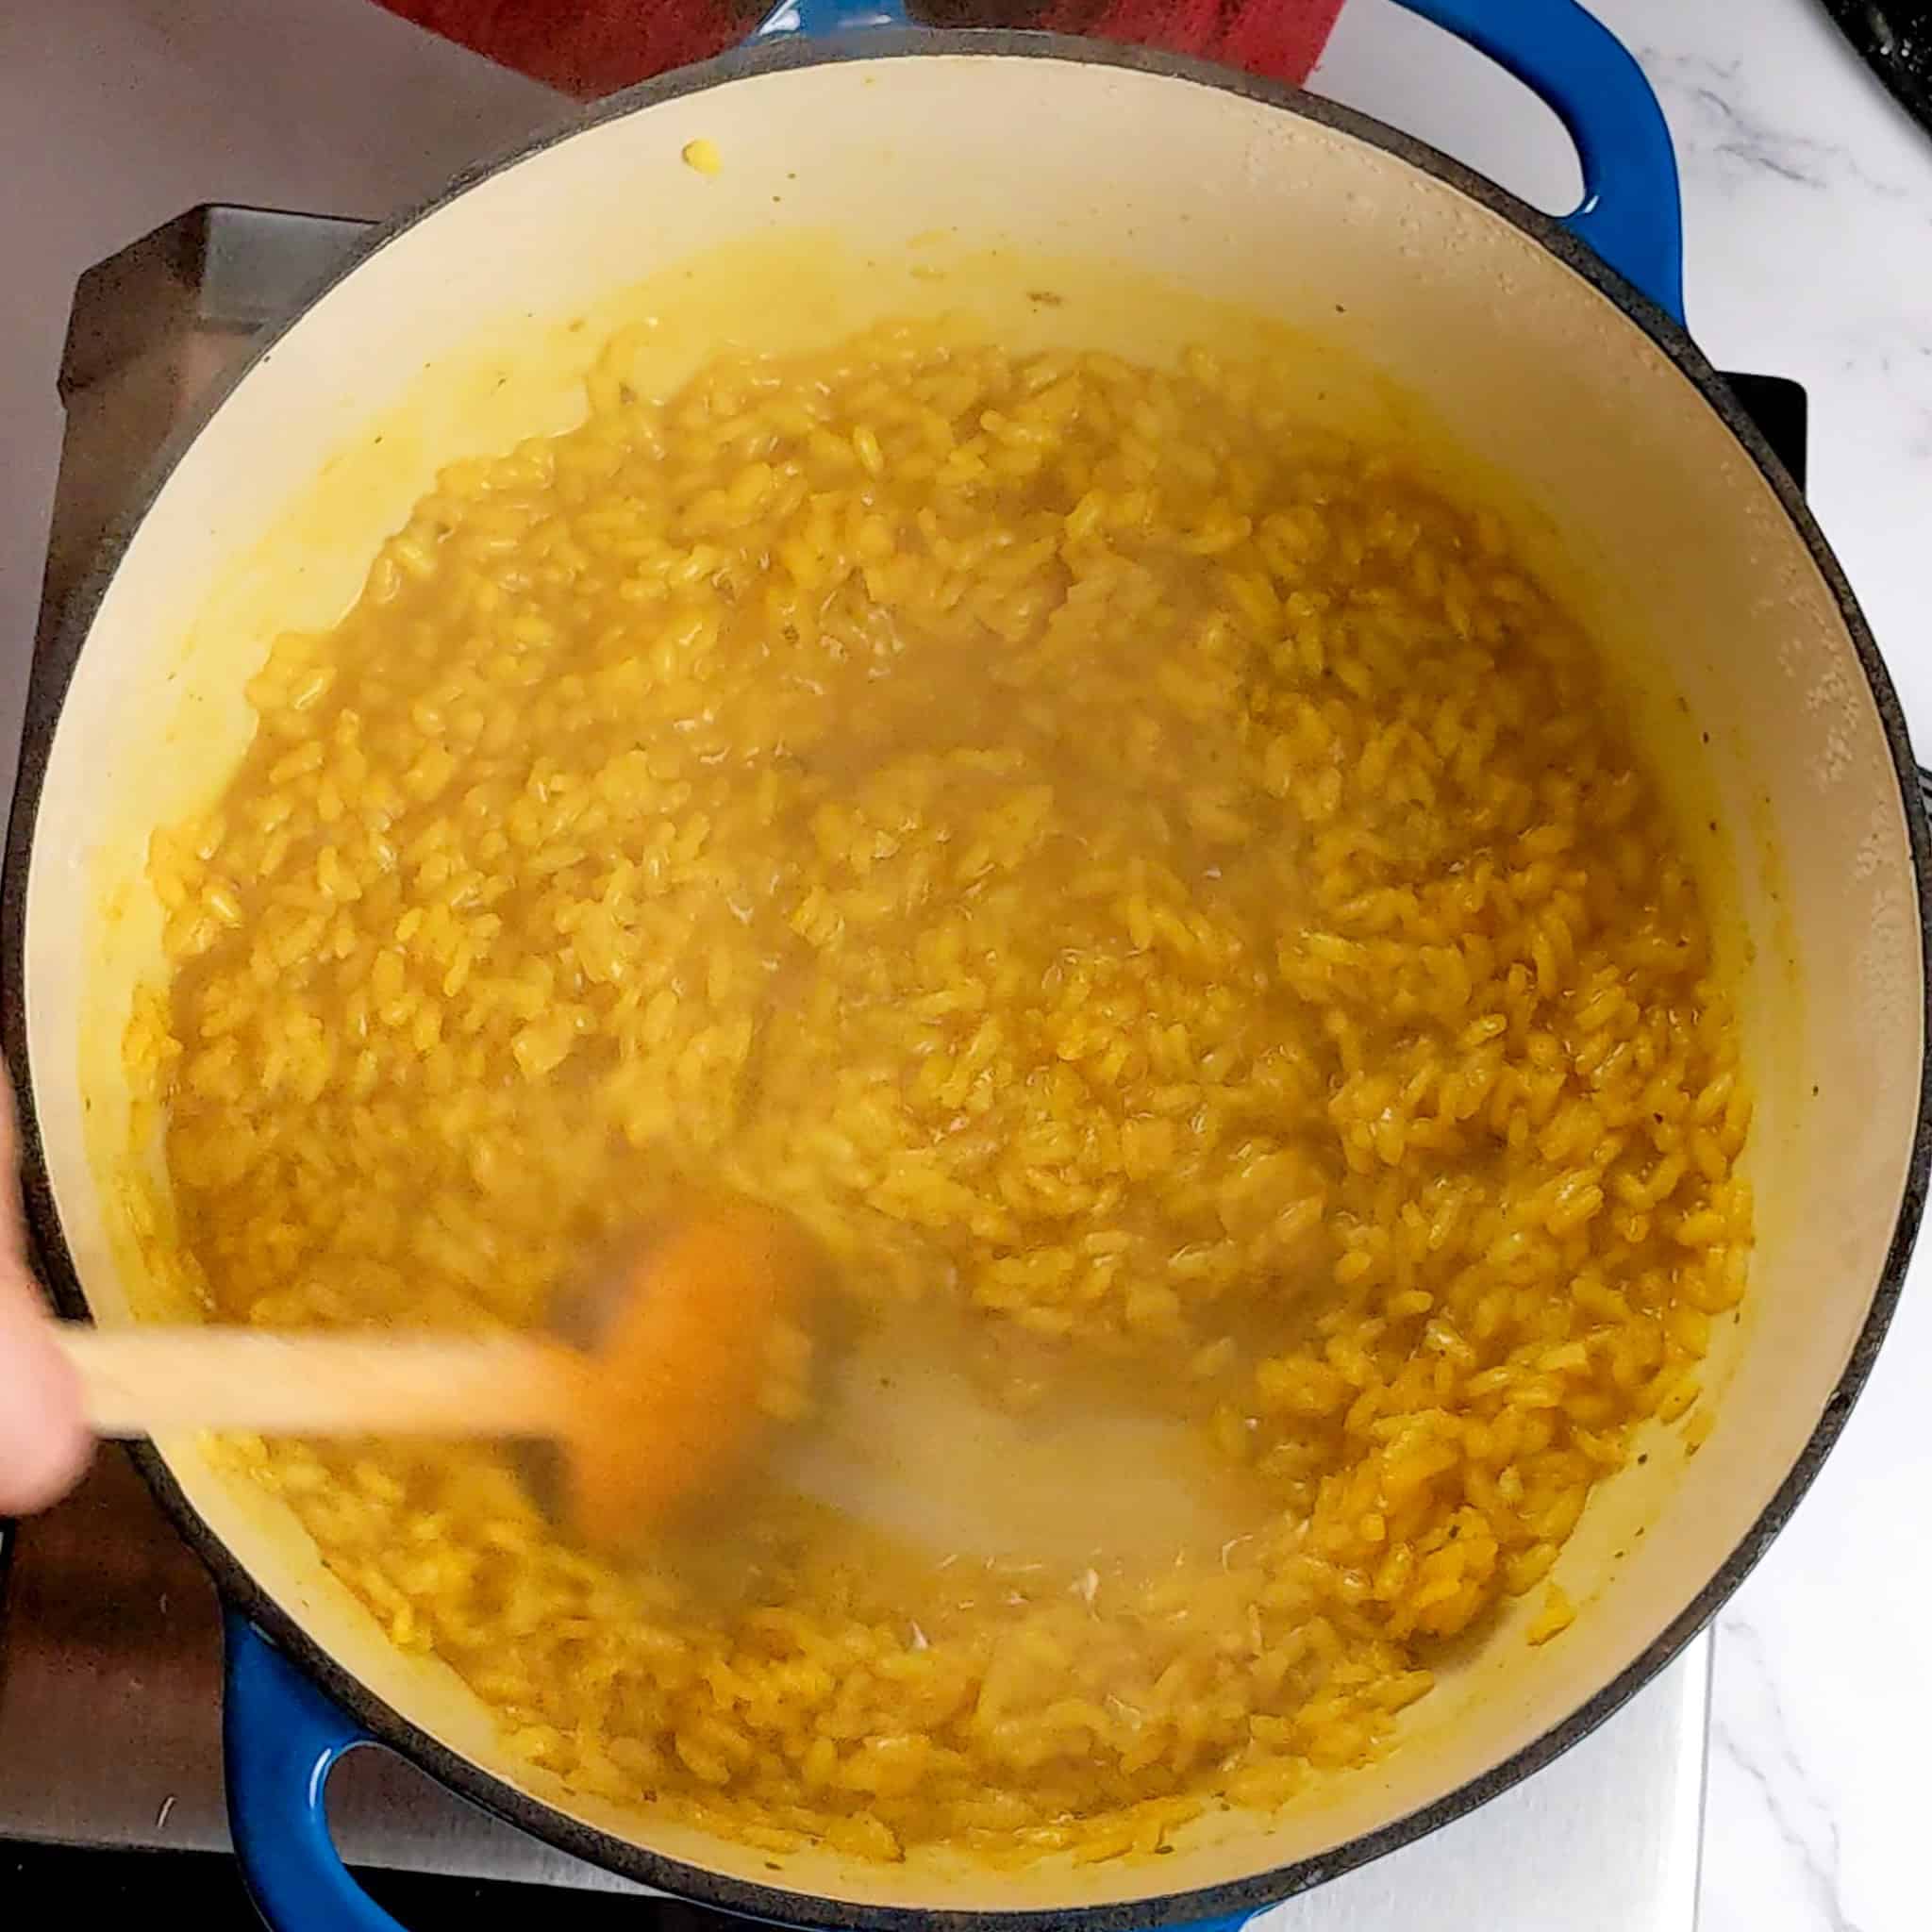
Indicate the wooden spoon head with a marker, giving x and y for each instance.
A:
(700, 1343)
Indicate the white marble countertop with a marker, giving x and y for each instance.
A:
(1808, 208)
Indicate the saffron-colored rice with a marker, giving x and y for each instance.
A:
(1103, 857)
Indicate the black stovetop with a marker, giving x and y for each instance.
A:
(204, 1888)
(1895, 37)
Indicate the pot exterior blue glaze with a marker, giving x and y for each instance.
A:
(281, 1737)
(1631, 215)
(817, 19)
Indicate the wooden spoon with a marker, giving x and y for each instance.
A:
(670, 1396)
(666, 1400)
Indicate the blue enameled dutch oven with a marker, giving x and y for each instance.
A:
(877, 163)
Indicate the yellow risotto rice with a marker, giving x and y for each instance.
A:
(1155, 882)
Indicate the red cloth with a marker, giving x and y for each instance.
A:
(1280, 40)
(592, 47)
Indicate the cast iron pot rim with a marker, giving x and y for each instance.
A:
(520, 1807)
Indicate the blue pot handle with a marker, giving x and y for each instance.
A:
(280, 1740)
(1630, 215)
(810, 18)
(281, 1737)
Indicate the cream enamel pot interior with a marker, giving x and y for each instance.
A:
(1169, 203)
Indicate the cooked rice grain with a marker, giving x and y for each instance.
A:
(1105, 858)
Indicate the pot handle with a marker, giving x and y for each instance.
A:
(811, 18)
(1631, 215)
(281, 1739)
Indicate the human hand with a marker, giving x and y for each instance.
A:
(44, 1443)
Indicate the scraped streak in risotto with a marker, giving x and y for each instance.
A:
(1110, 861)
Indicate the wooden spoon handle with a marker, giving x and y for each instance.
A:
(143, 1380)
